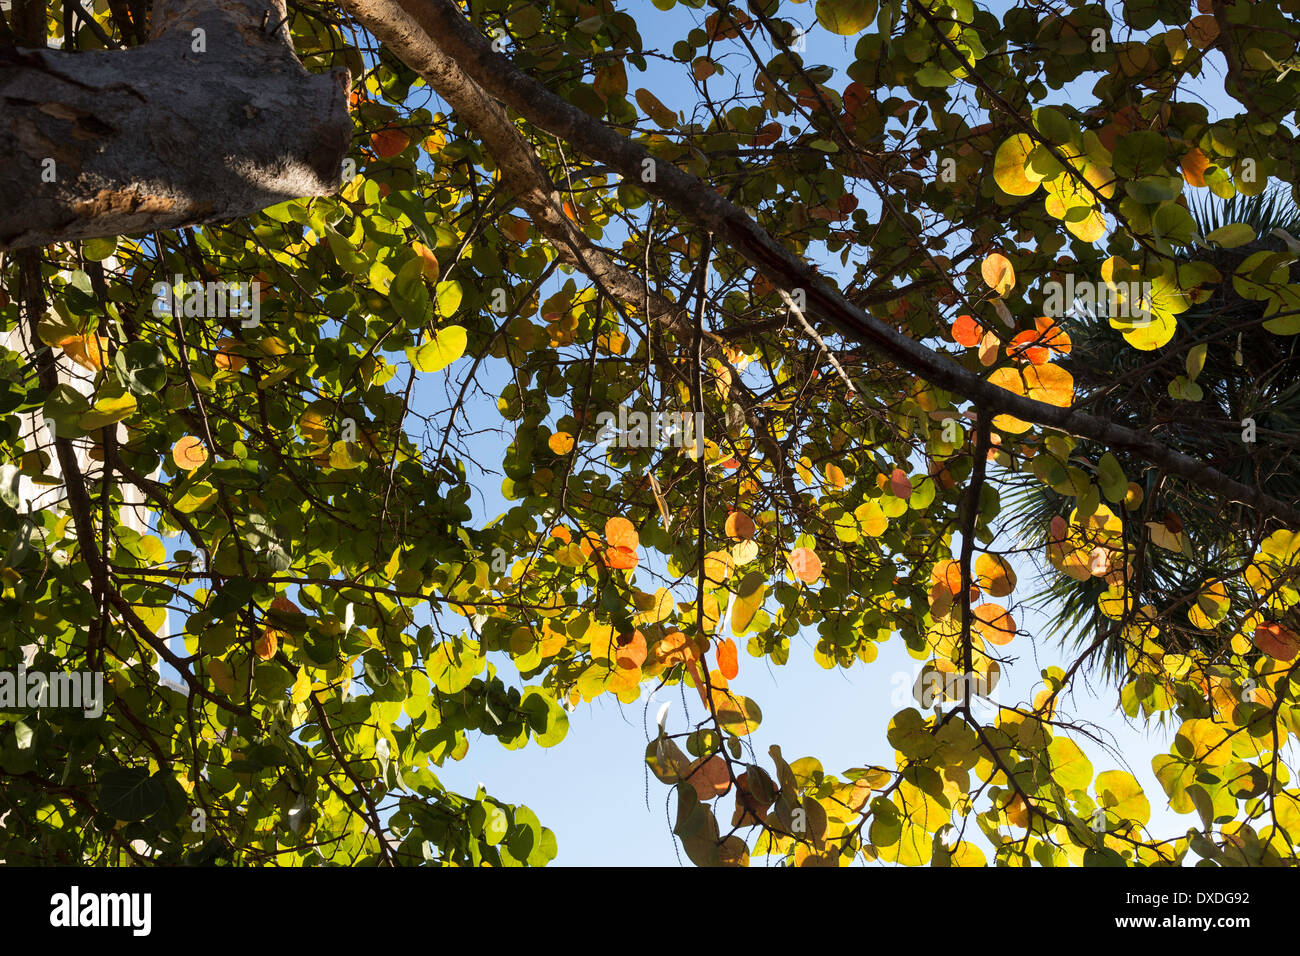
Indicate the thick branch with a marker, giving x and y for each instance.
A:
(448, 35)
(520, 169)
(214, 118)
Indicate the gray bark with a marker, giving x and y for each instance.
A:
(190, 127)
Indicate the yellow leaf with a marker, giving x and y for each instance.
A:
(998, 273)
(995, 575)
(1050, 384)
(1164, 538)
(1009, 379)
(301, 686)
(1010, 164)
(189, 453)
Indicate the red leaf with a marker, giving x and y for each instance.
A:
(900, 484)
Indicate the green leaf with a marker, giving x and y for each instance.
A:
(1114, 484)
(447, 346)
(408, 292)
(111, 405)
(448, 295)
(131, 794)
(548, 720)
(10, 477)
(345, 254)
(1232, 235)
(1053, 125)
(1139, 153)
(932, 76)
(451, 668)
(97, 250)
(846, 17)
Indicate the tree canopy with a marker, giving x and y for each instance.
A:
(751, 348)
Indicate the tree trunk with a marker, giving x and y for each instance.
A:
(214, 118)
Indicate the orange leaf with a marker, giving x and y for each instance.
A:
(740, 526)
(621, 559)
(709, 777)
(727, 662)
(766, 136)
(994, 623)
(428, 261)
(265, 645)
(1059, 528)
(805, 564)
(1025, 346)
(226, 357)
(621, 533)
(966, 331)
(631, 652)
(514, 228)
(389, 142)
(1053, 336)
(189, 453)
(88, 351)
(1195, 164)
(675, 648)
(947, 573)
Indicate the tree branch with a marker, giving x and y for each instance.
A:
(419, 29)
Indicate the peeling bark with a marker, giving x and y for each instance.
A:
(214, 118)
